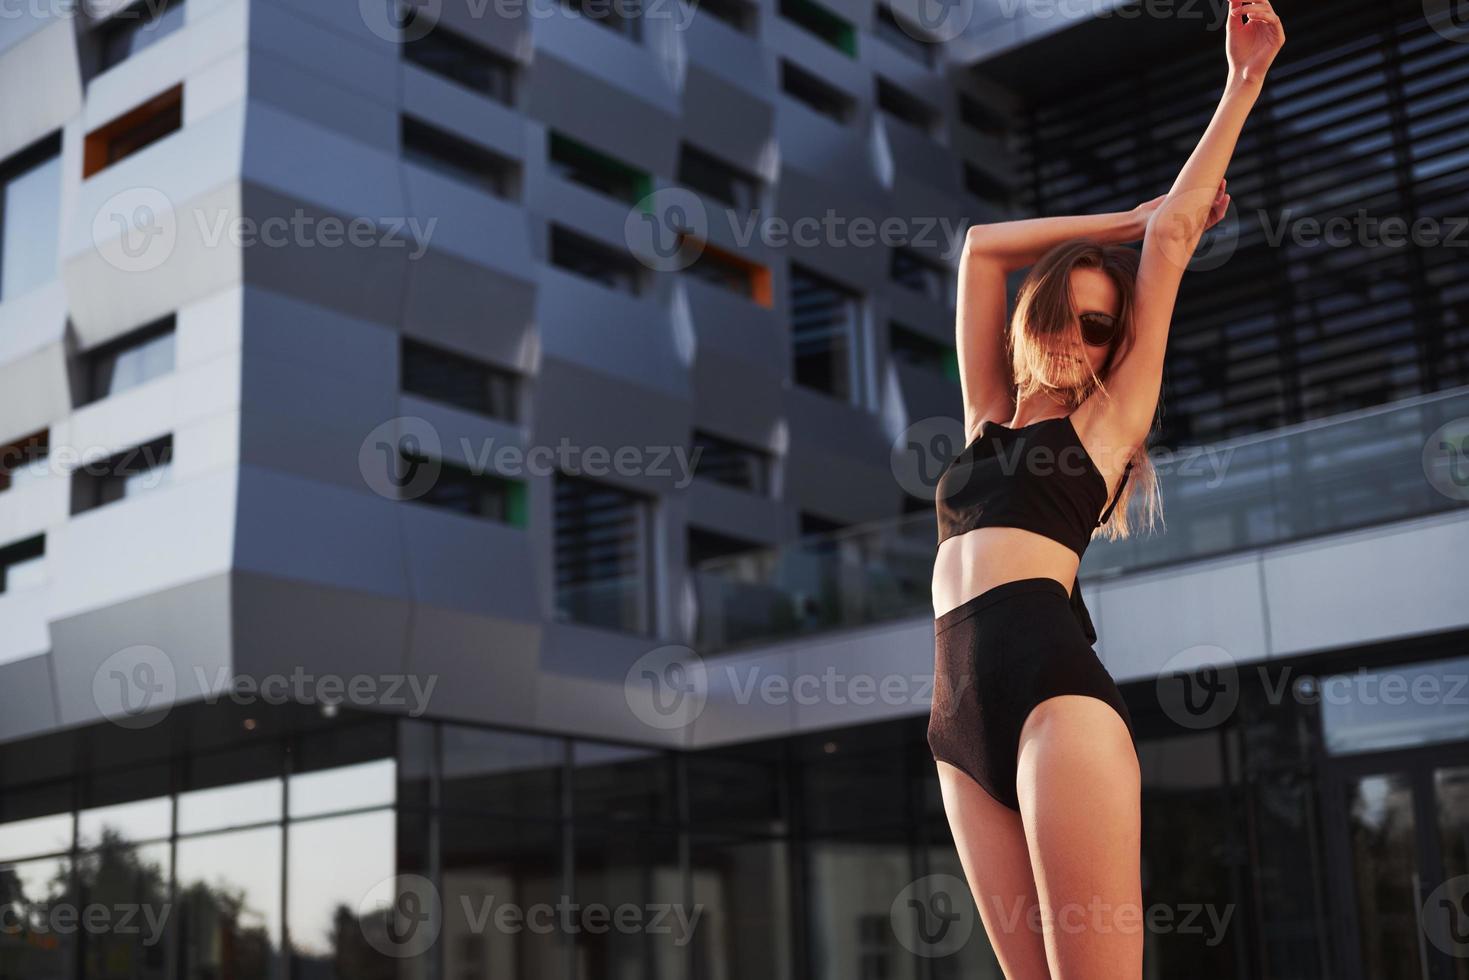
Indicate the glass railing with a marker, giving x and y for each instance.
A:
(1408, 459)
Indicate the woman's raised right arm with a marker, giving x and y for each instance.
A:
(1196, 200)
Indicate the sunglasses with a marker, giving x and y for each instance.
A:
(1098, 329)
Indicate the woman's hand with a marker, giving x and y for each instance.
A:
(1251, 47)
(1220, 205)
(1217, 209)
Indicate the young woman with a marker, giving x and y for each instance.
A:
(1035, 748)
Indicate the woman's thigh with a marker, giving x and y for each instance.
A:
(994, 854)
(1080, 802)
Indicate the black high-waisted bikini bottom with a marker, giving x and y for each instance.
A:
(996, 657)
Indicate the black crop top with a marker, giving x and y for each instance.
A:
(1038, 477)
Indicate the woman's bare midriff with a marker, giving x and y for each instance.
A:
(974, 562)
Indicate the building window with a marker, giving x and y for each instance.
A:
(460, 60)
(919, 273)
(129, 361)
(730, 463)
(24, 460)
(622, 16)
(906, 39)
(139, 26)
(834, 30)
(30, 217)
(711, 176)
(581, 164)
(728, 271)
(126, 474)
(983, 186)
(916, 350)
(22, 565)
(593, 260)
(475, 494)
(603, 555)
(906, 107)
(979, 117)
(454, 379)
(739, 14)
(706, 546)
(440, 150)
(133, 131)
(824, 321)
(816, 94)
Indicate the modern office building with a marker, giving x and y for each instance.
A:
(463, 469)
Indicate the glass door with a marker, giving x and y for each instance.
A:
(1398, 833)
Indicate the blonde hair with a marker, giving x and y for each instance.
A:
(1046, 317)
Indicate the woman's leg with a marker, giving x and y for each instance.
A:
(1080, 799)
(996, 861)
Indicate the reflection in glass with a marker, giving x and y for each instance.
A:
(345, 788)
(741, 892)
(629, 875)
(38, 835)
(29, 946)
(502, 772)
(1381, 829)
(975, 960)
(616, 782)
(493, 868)
(142, 820)
(229, 889)
(238, 805)
(131, 884)
(1451, 793)
(852, 888)
(1396, 707)
(335, 864)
